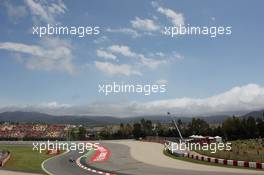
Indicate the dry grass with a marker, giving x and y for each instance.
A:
(248, 150)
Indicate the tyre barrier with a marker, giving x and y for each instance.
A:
(246, 164)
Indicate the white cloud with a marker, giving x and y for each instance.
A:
(15, 12)
(244, 98)
(162, 82)
(46, 12)
(151, 63)
(50, 54)
(241, 98)
(53, 105)
(116, 69)
(151, 60)
(172, 56)
(178, 56)
(140, 27)
(126, 51)
(121, 49)
(138, 60)
(101, 39)
(18, 47)
(144, 24)
(105, 54)
(176, 18)
(57, 8)
(161, 54)
(127, 31)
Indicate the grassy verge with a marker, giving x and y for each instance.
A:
(251, 150)
(203, 162)
(23, 158)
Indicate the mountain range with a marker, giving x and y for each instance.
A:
(36, 117)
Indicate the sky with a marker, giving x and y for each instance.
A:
(60, 74)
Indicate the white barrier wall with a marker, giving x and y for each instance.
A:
(230, 162)
(212, 160)
(221, 161)
(240, 163)
(252, 164)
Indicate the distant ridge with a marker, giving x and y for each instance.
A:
(255, 114)
(36, 117)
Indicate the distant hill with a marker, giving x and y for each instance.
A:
(157, 118)
(36, 117)
(19, 116)
(255, 114)
(215, 118)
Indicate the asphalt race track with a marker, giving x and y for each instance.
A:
(125, 160)
(62, 166)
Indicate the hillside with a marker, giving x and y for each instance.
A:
(35, 117)
(255, 114)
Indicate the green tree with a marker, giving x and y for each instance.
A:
(218, 131)
(251, 127)
(146, 127)
(233, 128)
(198, 126)
(260, 127)
(73, 134)
(160, 130)
(128, 130)
(106, 133)
(82, 133)
(137, 130)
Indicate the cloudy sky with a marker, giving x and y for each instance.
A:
(61, 74)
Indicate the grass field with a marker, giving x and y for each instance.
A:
(249, 150)
(24, 159)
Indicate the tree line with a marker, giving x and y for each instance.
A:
(232, 128)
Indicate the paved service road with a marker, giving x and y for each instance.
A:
(139, 158)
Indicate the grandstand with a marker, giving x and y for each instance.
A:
(33, 131)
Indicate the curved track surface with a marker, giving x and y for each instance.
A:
(60, 165)
(138, 158)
